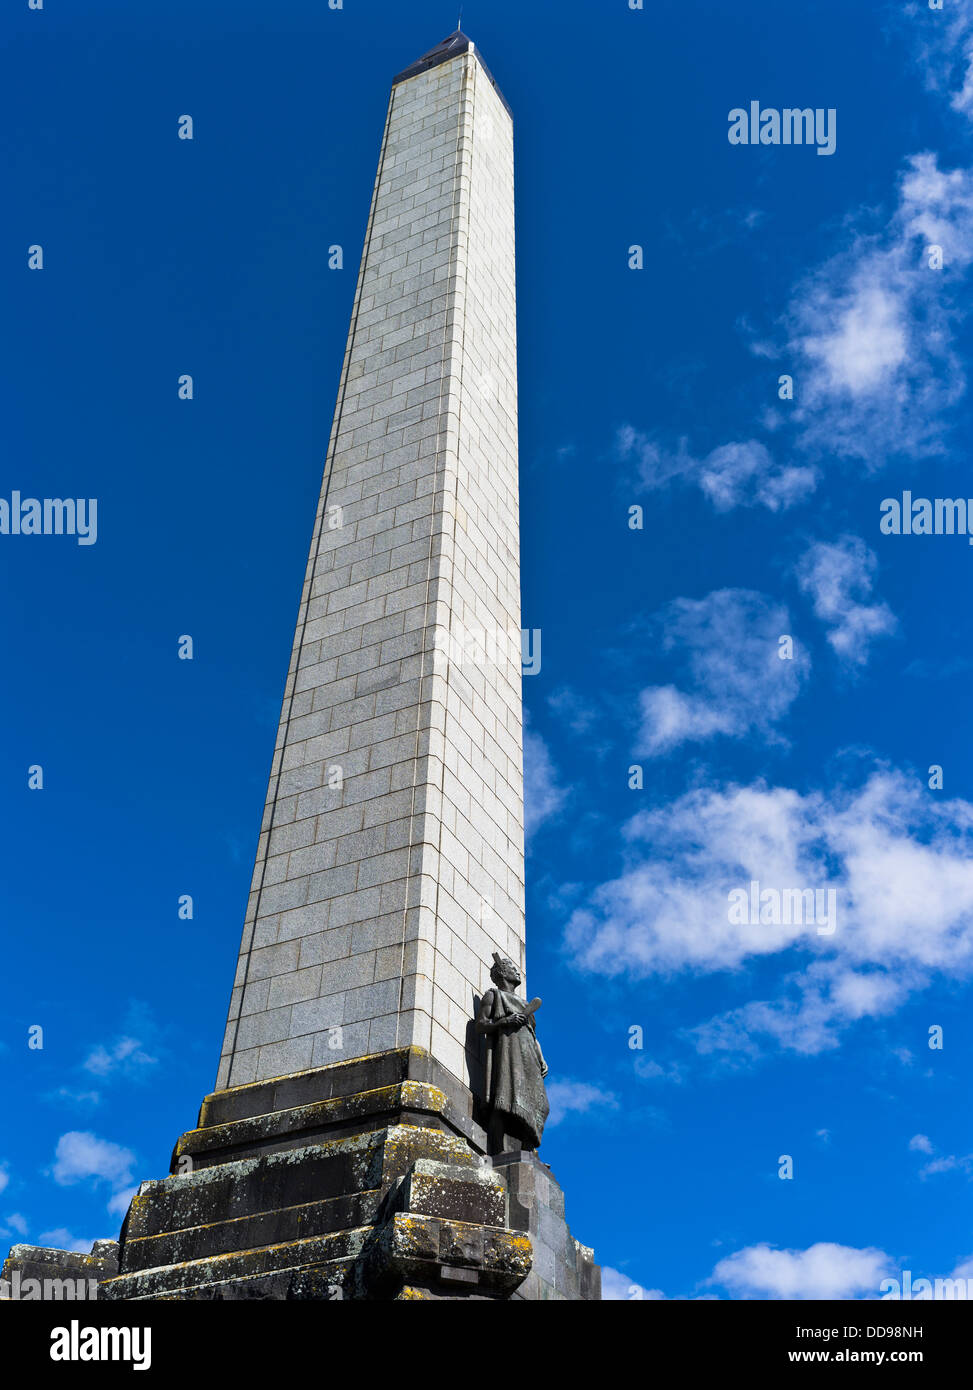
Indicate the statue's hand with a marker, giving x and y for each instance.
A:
(518, 1020)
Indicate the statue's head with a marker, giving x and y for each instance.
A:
(503, 973)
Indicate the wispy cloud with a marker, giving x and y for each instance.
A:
(126, 1056)
(730, 644)
(62, 1239)
(81, 1157)
(574, 710)
(649, 1070)
(838, 577)
(119, 1202)
(68, 1095)
(741, 474)
(943, 1163)
(544, 796)
(870, 332)
(943, 43)
(578, 1098)
(130, 1056)
(868, 338)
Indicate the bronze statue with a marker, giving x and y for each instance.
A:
(514, 1094)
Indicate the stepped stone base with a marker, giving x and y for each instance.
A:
(37, 1273)
(363, 1180)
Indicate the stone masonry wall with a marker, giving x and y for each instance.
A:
(376, 904)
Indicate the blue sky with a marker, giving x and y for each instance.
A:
(655, 388)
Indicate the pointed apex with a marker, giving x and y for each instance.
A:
(451, 47)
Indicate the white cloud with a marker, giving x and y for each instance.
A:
(730, 643)
(119, 1203)
(741, 474)
(650, 1070)
(838, 576)
(735, 475)
(62, 1239)
(576, 1097)
(871, 330)
(543, 794)
(4, 1176)
(813, 1008)
(920, 1143)
(901, 864)
(947, 1163)
(964, 1270)
(17, 1222)
(83, 1157)
(127, 1055)
(80, 1098)
(869, 342)
(823, 1270)
(616, 1286)
(943, 42)
(576, 712)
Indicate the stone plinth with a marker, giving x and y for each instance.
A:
(562, 1268)
(364, 1180)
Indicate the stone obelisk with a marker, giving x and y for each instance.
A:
(391, 859)
(343, 1153)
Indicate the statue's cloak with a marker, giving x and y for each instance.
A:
(513, 1077)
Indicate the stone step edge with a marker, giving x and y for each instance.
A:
(418, 1096)
(235, 1221)
(300, 1254)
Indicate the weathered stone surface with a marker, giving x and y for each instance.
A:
(398, 1210)
(281, 1129)
(260, 1222)
(292, 1284)
(334, 1256)
(329, 1101)
(467, 1194)
(415, 1250)
(39, 1273)
(562, 1267)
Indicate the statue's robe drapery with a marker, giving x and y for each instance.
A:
(513, 1074)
